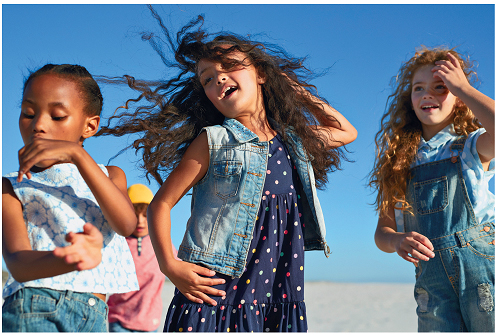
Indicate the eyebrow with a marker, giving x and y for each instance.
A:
(422, 82)
(51, 104)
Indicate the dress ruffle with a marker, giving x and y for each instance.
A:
(248, 317)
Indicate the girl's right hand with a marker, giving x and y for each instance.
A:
(45, 152)
(413, 246)
(190, 280)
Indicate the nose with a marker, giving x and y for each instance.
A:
(142, 220)
(38, 124)
(221, 77)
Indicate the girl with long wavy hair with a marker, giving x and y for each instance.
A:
(434, 160)
(242, 127)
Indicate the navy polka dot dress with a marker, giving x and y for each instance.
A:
(269, 296)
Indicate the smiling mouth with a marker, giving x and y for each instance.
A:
(228, 91)
(429, 107)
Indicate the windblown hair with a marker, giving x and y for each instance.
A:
(78, 74)
(400, 132)
(178, 108)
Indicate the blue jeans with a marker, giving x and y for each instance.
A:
(33, 309)
(454, 290)
(116, 327)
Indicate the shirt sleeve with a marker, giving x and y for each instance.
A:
(477, 180)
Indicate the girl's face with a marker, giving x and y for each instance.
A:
(142, 226)
(235, 92)
(432, 101)
(52, 108)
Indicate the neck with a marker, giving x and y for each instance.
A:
(430, 131)
(258, 124)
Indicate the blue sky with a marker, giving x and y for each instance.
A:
(362, 45)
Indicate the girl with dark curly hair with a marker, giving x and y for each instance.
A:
(241, 126)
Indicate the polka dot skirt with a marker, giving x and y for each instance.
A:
(269, 296)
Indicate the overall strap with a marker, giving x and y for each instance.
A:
(456, 148)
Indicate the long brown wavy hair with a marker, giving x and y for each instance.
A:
(171, 113)
(400, 132)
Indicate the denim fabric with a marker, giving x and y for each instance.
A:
(45, 310)
(226, 201)
(116, 327)
(454, 290)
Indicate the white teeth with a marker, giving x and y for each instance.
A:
(431, 106)
(223, 94)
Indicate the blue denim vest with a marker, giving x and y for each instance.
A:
(226, 201)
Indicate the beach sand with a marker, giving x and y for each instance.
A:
(351, 307)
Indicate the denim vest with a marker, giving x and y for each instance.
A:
(226, 201)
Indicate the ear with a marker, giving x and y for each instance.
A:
(261, 79)
(91, 127)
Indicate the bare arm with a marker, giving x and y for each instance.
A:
(337, 129)
(26, 264)
(341, 130)
(187, 277)
(411, 246)
(481, 105)
(110, 192)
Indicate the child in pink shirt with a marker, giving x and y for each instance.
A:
(139, 311)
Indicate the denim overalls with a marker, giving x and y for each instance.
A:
(455, 290)
(226, 200)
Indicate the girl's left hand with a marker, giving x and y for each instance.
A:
(45, 151)
(451, 73)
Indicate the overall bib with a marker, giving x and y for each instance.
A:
(455, 290)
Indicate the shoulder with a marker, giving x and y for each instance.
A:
(7, 186)
(199, 146)
(8, 193)
(217, 135)
(115, 172)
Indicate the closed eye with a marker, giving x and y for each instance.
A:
(207, 80)
(58, 118)
(28, 116)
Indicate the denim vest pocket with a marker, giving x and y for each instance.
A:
(227, 175)
(431, 195)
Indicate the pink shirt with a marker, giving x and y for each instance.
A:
(140, 310)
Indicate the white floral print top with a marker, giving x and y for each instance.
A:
(55, 202)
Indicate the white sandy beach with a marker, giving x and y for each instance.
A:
(351, 307)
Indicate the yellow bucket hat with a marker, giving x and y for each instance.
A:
(140, 194)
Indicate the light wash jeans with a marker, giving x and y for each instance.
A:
(454, 290)
(33, 309)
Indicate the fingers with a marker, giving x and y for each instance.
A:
(93, 232)
(414, 247)
(85, 249)
(202, 295)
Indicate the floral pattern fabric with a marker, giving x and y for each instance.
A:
(55, 202)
